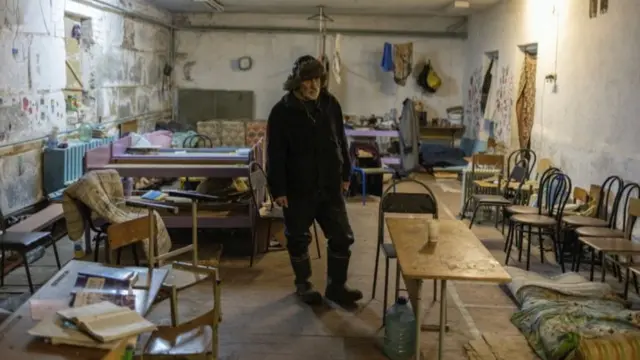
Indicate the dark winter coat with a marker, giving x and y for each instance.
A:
(306, 147)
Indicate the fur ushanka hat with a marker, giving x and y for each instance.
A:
(305, 68)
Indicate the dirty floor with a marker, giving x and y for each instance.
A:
(263, 320)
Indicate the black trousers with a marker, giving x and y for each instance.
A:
(329, 210)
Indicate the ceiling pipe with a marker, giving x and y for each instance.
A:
(353, 32)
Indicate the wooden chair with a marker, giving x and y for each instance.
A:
(400, 203)
(484, 161)
(542, 166)
(484, 169)
(610, 249)
(196, 338)
(602, 217)
(181, 276)
(622, 199)
(261, 194)
(526, 209)
(548, 218)
(507, 197)
(518, 156)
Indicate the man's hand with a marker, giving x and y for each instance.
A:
(282, 201)
(345, 186)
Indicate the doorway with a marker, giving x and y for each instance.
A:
(526, 95)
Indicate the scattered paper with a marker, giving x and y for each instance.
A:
(41, 309)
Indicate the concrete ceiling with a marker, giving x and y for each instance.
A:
(336, 7)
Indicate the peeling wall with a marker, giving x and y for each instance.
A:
(206, 60)
(122, 61)
(588, 123)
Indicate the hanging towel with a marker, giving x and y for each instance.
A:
(335, 66)
(387, 58)
(403, 62)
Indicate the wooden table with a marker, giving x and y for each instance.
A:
(457, 255)
(16, 344)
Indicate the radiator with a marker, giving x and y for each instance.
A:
(62, 167)
(468, 177)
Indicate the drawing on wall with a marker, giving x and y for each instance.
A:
(504, 105)
(473, 111)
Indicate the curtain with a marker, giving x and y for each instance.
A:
(525, 104)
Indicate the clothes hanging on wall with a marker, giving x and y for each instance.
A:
(387, 58)
(525, 104)
(409, 135)
(403, 62)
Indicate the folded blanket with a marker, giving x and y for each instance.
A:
(101, 191)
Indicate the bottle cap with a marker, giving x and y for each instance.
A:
(402, 300)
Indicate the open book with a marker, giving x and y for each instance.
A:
(62, 332)
(107, 322)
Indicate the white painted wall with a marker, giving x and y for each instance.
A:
(365, 90)
(589, 124)
(33, 74)
(32, 53)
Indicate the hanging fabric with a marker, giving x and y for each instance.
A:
(336, 80)
(409, 136)
(336, 63)
(486, 87)
(387, 58)
(525, 104)
(403, 62)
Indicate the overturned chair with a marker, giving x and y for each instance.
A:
(135, 222)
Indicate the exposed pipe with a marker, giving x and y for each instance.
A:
(105, 6)
(304, 30)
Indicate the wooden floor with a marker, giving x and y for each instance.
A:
(263, 320)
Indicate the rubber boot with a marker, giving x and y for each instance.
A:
(337, 291)
(304, 289)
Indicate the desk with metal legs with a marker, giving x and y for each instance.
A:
(457, 255)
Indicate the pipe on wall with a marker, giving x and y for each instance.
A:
(355, 32)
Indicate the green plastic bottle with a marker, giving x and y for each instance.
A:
(85, 132)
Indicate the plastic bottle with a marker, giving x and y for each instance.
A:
(78, 250)
(400, 331)
(85, 132)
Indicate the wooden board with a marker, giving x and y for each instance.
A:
(457, 255)
(16, 344)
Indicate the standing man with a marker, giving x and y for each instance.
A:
(308, 169)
